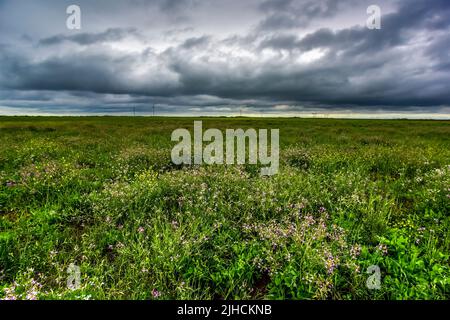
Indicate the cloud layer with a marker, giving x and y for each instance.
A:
(222, 56)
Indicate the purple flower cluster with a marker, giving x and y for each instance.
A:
(331, 262)
(10, 184)
(383, 249)
(355, 251)
(156, 294)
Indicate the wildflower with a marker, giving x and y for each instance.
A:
(156, 294)
(355, 251)
(120, 245)
(32, 295)
(383, 249)
(309, 221)
(322, 210)
(331, 263)
(141, 229)
(323, 289)
(10, 293)
(10, 184)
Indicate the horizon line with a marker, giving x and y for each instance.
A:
(430, 117)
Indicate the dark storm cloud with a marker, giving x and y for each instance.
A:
(112, 34)
(403, 66)
(439, 51)
(176, 5)
(98, 72)
(397, 30)
(195, 42)
(287, 14)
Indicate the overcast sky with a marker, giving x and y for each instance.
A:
(222, 56)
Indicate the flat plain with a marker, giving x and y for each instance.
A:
(101, 194)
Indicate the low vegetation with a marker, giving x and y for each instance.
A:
(102, 194)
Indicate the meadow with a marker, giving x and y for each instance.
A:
(102, 193)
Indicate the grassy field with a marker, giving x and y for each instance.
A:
(101, 193)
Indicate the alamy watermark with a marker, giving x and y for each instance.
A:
(74, 278)
(231, 151)
(374, 280)
(374, 20)
(73, 21)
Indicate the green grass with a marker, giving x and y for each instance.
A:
(103, 194)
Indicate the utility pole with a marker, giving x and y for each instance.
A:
(134, 111)
(153, 110)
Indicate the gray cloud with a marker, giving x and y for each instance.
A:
(196, 42)
(288, 14)
(109, 35)
(403, 66)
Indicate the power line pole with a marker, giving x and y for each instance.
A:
(134, 111)
(153, 110)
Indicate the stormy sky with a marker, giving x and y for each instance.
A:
(225, 57)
